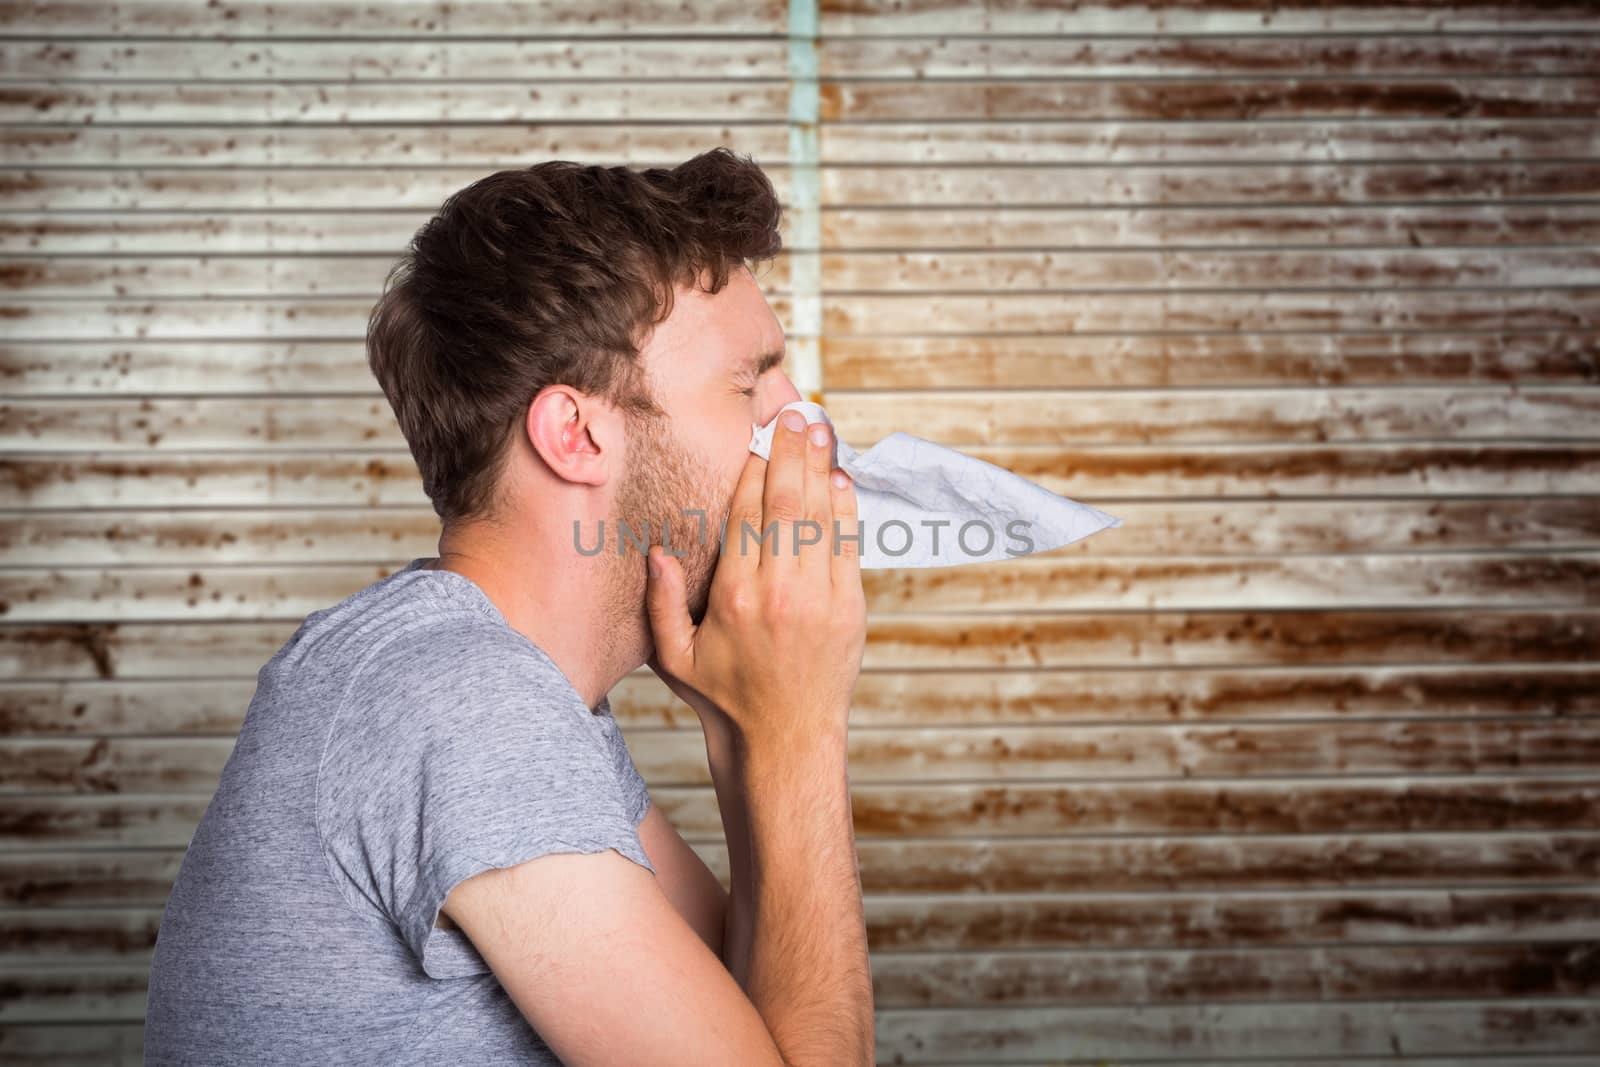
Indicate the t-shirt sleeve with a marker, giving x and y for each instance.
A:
(453, 755)
(636, 794)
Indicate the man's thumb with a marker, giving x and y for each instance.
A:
(667, 604)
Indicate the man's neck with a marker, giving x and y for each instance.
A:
(560, 605)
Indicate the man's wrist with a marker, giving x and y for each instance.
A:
(722, 747)
(804, 760)
(729, 748)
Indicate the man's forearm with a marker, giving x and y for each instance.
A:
(808, 971)
(739, 919)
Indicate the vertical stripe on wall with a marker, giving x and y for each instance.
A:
(805, 207)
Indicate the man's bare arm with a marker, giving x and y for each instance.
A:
(683, 876)
(739, 915)
(775, 661)
(697, 893)
(589, 947)
(604, 967)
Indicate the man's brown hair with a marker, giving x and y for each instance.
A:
(551, 274)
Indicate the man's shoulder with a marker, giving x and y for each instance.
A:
(401, 621)
(451, 670)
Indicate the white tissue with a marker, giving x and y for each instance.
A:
(941, 506)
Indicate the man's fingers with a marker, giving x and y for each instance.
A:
(784, 498)
(740, 553)
(844, 539)
(816, 533)
(667, 605)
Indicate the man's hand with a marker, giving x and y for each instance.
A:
(773, 663)
(779, 649)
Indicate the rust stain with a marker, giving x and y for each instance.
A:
(37, 99)
(1201, 864)
(1292, 463)
(1286, 637)
(94, 641)
(1214, 100)
(1185, 807)
(113, 937)
(1215, 922)
(1241, 695)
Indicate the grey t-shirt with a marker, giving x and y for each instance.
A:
(399, 742)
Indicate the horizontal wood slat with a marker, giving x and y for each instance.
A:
(1332, 1032)
(924, 699)
(1359, 310)
(441, 59)
(975, 417)
(1026, 584)
(227, 189)
(342, 18)
(1222, 976)
(288, 318)
(112, 1045)
(865, 18)
(1096, 475)
(1149, 921)
(363, 276)
(1311, 183)
(444, 59)
(685, 99)
(1123, 229)
(1155, 920)
(1396, 636)
(1470, 803)
(492, 146)
(874, 314)
(1117, 227)
(1075, 977)
(1222, 864)
(1124, 99)
(930, 698)
(202, 538)
(1261, 53)
(96, 367)
(99, 1044)
(1085, 142)
(1044, 362)
(1041, 583)
(908, 755)
(396, 188)
(68, 651)
(940, 272)
(79, 367)
(97, 878)
(678, 100)
(958, 419)
(1146, 141)
(413, 18)
(922, 272)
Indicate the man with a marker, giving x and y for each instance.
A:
(429, 844)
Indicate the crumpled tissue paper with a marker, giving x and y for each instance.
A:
(924, 505)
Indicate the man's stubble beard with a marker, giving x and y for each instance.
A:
(662, 482)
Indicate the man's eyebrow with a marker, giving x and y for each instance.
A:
(767, 360)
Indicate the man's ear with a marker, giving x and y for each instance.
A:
(578, 436)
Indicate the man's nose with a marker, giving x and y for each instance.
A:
(782, 392)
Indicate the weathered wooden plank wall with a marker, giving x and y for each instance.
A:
(1301, 764)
